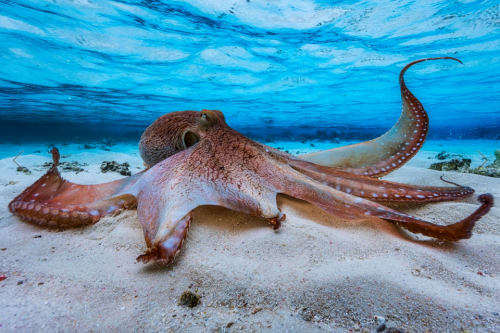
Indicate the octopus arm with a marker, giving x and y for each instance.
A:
(350, 206)
(376, 189)
(390, 151)
(173, 188)
(55, 202)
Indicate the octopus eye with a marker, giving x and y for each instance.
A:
(190, 138)
(204, 115)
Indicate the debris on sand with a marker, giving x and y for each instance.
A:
(188, 299)
(24, 170)
(20, 168)
(492, 170)
(461, 164)
(67, 166)
(122, 169)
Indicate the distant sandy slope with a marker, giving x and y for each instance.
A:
(251, 278)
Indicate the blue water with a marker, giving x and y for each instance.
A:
(275, 68)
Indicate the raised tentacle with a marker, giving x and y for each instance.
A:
(55, 202)
(377, 189)
(390, 151)
(349, 206)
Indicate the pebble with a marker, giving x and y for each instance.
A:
(306, 314)
(189, 299)
(257, 309)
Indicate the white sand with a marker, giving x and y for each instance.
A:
(344, 272)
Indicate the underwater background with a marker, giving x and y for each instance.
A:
(278, 69)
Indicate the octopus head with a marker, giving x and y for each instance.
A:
(177, 131)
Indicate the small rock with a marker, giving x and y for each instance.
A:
(189, 299)
(12, 182)
(394, 330)
(37, 236)
(306, 314)
(88, 147)
(356, 327)
(20, 282)
(257, 309)
(381, 328)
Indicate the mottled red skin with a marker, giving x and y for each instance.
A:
(225, 168)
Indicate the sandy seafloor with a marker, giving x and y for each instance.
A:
(251, 278)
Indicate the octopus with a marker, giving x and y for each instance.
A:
(194, 158)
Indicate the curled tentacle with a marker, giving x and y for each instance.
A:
(377, 189)
(55, 202)
(349, 206)
(453, 232)
(390, 151)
